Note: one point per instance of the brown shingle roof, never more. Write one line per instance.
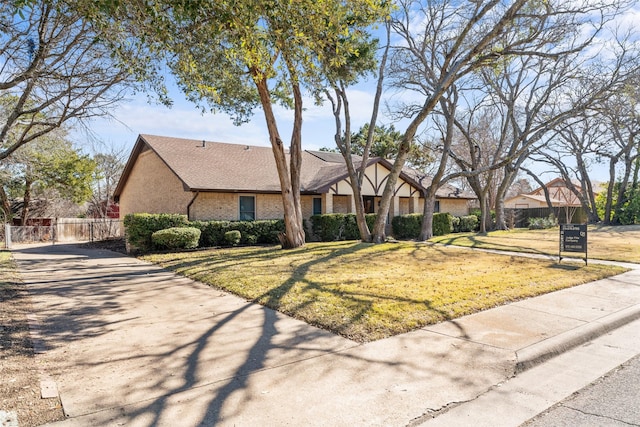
(217, 166)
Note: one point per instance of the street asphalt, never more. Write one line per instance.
(135, 345)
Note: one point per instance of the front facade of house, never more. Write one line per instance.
(559, 194)
(217, 181)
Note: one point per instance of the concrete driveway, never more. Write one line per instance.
(128, 343)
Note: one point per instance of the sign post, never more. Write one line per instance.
(573, 238)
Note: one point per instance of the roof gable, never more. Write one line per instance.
(224, 167)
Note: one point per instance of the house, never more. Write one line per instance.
(560, 196)
(220, 181)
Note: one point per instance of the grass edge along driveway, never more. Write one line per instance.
(367, 292)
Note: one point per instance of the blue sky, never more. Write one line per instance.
(185, 120)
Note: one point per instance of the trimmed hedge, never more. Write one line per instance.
(140, 226)
(139, 229)
(463, 224)
(409, 226)
(252, 232)
(442, 224)
(176, 238)
(332, 227)
(232, 237)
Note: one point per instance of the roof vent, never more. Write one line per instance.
(204, 143)
(247, 148)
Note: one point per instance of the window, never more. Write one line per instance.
(369, 203)
(317, 206)
(247, 208)
(436, 207)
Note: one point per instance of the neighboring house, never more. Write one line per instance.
(560, 196)
(219, 181)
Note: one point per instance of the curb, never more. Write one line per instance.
(542, 351)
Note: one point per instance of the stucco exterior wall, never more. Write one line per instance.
(153, 188)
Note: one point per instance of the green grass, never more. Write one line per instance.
(620, 243)
(367, 292)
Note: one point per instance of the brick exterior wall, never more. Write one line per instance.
(218, 206)
(269, 206)
(226, 206)
(455, 207)
(153, 188)
(341, 204)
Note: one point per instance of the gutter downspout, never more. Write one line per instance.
(195, 196)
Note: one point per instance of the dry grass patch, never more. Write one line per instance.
(367, 292)
(619, 243)
(20, 382)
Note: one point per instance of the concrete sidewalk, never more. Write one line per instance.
(128, 343)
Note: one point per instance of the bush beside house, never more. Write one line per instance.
(409, 226)
(176, 238)
(141, 228)
(333, 227)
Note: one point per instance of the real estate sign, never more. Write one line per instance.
(573, 238)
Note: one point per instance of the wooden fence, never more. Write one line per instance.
(519, 218)
(64, 230)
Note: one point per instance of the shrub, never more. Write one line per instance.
(542, 223)
(350, 228)
(252, 232)
(465, 223)
(332, 227)
(327, 227)
(232, 237)
(407, 226)
(442, 224)
(371, 220)
(478, 214)
(140, 226)
(176, 238)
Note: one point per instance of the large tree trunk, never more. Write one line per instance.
(612, 182)
(379, 234)
(426, 231)
(26, 202)
(622, 190)
(290, 185)
(344, 145)
(6, 206)
(507, 180)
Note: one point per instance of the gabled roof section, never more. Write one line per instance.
(216, 166)
(446, 191)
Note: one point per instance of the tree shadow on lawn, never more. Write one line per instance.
(94, 303)
(478, 244)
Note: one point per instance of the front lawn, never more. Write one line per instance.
(367, 292)
(619, 243)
